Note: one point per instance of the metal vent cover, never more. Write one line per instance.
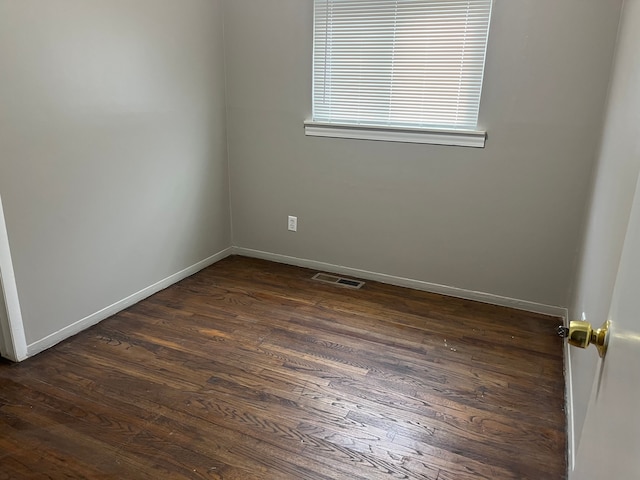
(339, 281)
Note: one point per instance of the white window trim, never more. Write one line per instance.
(460, 138)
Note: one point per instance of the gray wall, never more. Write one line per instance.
(113, 168)
(505, 220)
(613, 191)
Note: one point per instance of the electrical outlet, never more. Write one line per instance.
(293, 224)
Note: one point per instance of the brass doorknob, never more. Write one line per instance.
(581, 334)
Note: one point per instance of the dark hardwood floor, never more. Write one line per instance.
(250, 370)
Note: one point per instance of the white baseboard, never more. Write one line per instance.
(120, 305)
(407, 282)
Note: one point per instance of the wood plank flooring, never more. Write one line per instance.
(250, 370)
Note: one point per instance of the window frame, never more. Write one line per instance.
(475, 137)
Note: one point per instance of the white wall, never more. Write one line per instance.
(113, 168)
(505, 220)
(614, 186)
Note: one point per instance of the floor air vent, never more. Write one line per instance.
(339, 281)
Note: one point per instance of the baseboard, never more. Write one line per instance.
(120, 305)
(406, 282)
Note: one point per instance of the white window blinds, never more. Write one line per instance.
(399, 63)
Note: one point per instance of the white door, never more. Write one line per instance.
(4, 321)
(13, 344)
(610, 444)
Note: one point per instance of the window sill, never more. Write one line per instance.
(461, 138)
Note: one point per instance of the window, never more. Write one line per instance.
(399, 70)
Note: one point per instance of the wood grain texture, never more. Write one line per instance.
(251, 370)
